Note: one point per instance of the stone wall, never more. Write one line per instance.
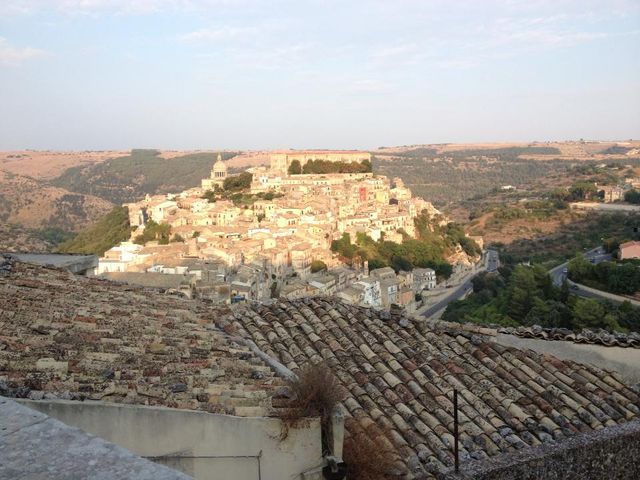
(203, 445)
(610, 453)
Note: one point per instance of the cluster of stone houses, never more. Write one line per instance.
(173, 270)
(267, 246)
(379, 288)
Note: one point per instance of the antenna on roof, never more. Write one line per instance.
(455, 430)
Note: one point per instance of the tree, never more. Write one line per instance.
(399, 263)
(177, 238)
(376, 263)
(294, 168)
(318, 266)
(343, 246)
(195, 234)
(154, 231)
(238, 182)
(632, 196)
(521, 293)
(582, 190)
(588, 313)
(580, 269)
(209, 195)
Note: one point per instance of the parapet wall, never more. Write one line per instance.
(200, 444)
(610, 453)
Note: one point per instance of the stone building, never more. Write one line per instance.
(280, 161)
(218, 175)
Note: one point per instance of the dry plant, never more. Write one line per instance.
(314, 393)
(366, 459)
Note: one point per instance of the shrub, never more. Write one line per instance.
(318, 266)
(314, 393)
(295, 168)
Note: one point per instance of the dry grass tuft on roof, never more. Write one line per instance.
(316, 392)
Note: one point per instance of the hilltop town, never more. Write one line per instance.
(272, 232)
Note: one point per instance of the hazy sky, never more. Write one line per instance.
(100, 74)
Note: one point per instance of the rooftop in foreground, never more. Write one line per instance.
(82, 338)
(65, 452)
(73, 337)
(400, 375)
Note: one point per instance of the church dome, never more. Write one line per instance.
(219, 166)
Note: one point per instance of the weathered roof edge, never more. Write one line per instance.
(600, 447)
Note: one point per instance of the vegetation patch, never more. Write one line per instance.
(327, 166)
(127, 179)
(100, 237)
(525, 295)
(160, 232)
(369, 455)
(623, 278)
(429, 250)
(582, 232)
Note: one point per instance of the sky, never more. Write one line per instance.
(254, 74)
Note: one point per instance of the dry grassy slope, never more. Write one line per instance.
(521, 228)
(34, 204)
(47, 165)
(569, 150)
(14, 238)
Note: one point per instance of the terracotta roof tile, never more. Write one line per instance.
(94, 339)
(400, 374)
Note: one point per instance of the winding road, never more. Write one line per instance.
(491, 264)
(558, 275)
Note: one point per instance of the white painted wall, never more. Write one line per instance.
(203, 445)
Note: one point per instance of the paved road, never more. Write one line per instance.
(456, 293)
(492, 260)
(491, 264)
(596, 255)
(558, 275)
(605, 207)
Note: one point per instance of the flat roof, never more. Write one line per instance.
(36, 446)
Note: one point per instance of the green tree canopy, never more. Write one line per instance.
(294, 168)
(318, 266)
(238, 182)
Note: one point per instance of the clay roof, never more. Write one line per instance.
(400, 374)
(600, 337)
(79, 338)
(631, 243)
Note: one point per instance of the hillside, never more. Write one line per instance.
(37, 205)
(130, 178)
(46, 165)
(453, 173)
(107, 232)
(14, 238)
